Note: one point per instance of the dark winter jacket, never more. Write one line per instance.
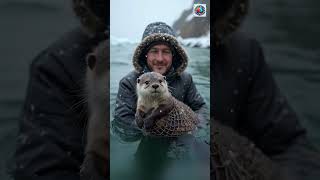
(245, 97)
(179, 82)
(52, 127)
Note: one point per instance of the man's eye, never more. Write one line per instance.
(167, 52)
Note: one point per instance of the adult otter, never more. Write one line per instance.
(97, 88)
(158, 113)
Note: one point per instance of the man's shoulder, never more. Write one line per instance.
(241, 38)
(64, 58)
(241, 44)
(240, 49)
(131, 77)
(185, 76)
(71, 46)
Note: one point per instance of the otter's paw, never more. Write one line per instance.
(92, 168)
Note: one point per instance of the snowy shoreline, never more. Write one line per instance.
(198, 42)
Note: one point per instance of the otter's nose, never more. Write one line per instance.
(155, 86)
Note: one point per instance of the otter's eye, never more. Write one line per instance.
(164, 78)
(138, 80)
(147, 82)
(160, 81)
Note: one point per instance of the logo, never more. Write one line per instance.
(199, 10)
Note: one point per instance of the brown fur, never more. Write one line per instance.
(160, 114)
(147, 102)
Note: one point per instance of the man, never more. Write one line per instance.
(160, 52)
(52, 127)
(246, 97)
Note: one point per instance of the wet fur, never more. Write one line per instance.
(146, 99)
(152, 106)
(149, 104)
(97, 87)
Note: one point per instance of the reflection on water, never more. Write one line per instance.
(160, 158)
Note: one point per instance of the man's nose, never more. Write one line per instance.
(159, 56)
(155, 86)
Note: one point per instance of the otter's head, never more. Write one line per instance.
(152, 85)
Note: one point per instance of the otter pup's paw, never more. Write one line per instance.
(156, 114)
(93, 168)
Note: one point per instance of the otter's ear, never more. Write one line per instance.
(164, 77)
(138, 80)
(91, 61)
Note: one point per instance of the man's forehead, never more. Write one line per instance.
(160, 46)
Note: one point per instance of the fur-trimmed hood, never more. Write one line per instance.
(228, 16)
(156, 33)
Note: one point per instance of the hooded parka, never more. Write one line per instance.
(246, 97)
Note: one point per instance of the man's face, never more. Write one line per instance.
(159, 58)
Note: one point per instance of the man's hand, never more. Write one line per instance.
(147, 119)
(156, 114)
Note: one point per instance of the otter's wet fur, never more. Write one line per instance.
(158, 112)
(97, 87)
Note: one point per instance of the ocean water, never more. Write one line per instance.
(123, 155)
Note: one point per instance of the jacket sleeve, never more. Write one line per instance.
(273, 124)
(124, 114)
(49, 144)
(195, 101)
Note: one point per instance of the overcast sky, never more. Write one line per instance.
(130, 17)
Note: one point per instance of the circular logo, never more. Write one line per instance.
(199, 10)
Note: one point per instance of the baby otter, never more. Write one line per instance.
(97, 88)
(158, 112)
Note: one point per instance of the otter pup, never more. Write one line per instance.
(158, 112)
(97, 88)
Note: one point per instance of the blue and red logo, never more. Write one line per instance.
(199, 10)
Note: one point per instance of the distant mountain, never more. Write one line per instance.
(189, 27)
